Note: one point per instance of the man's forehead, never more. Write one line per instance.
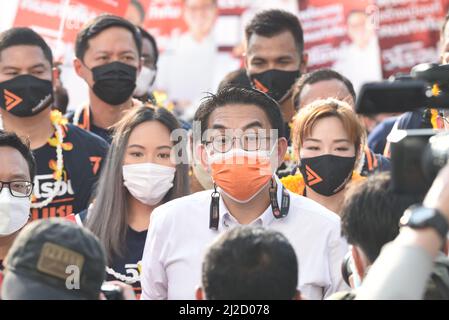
(12, 162)
(280, 44)
(238, 116)
(114, 37)
(20, 55)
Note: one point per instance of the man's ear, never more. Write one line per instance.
(139, 68)
(304, 62)
(358, 261)
(199, 295)
(201, 154)
(77, 64)
(281, 149)
(55, 76)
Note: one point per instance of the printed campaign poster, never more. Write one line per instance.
(370, 40)
(59, 21)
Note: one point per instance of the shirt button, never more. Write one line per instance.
(225, 223)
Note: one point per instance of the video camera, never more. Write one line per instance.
(417, 155)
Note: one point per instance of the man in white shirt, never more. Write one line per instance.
(242, 159)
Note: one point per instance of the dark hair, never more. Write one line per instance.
(25, 36)
(235, 95)
(146, 35)
(318, 76)
(250, 263)
(10, 139)
(237, 78)
(269, 23)
(98, 25)
(112, 211)
(139, 8)
(371, 213)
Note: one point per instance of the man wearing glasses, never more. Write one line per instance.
(242, 142)
(17, 170)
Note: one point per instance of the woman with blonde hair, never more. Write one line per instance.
(328, 142)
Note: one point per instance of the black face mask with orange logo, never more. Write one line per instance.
(275, 83)
(327, 174)
(25, 95)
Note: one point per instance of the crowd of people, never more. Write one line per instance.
(274, 189)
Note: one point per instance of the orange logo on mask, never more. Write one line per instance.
(11, 100)
(312, 177)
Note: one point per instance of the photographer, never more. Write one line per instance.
(403, 267)
(371, 214)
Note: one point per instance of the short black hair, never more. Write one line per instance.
(269, 23)
(98, 25)
(146, 35)
(10, 139)
(371, 213)
(250, 263)
(25, 36)
(318, 76)
(236, 78)
(236, 95)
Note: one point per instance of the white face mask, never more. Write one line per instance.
(148, 182)
(14, 212)
(144, 81)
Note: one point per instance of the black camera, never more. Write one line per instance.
(427, 86)
(112, 292)
(417, 155)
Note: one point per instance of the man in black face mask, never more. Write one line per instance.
(275, 55)
(68, 158)
(108, 57)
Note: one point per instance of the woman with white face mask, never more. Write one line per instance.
(139, 175)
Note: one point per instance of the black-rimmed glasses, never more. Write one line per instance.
(19, 188)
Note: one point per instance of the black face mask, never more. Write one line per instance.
(25, 95)
(114, 83)
(327, 174)
(275, 83)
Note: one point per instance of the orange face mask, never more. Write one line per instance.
(240, 174)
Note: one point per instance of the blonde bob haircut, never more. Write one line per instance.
(308, 116)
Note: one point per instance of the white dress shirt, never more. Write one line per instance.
(179, 236)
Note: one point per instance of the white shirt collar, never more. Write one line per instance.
(227, 220)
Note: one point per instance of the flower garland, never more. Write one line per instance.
(58, 121)
(127, 279)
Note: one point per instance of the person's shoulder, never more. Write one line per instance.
(85, 137)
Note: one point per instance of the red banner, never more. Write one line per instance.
(408, 33)
(59, 21)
